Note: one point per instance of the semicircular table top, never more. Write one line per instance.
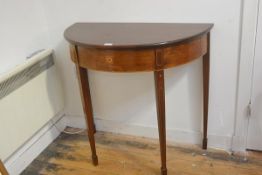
(132, 35)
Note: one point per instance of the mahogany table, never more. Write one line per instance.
(137, 47)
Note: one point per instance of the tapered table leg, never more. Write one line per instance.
(3, 170)
(160, 105)
(87, 107)
(206, 62)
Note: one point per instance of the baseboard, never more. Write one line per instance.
(239, 144)
(19, 160)
(173, 135)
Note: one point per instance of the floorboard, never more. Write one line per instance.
(128, 155)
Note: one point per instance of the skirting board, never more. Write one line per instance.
(173, 135)
(239, 144)
(19, 160)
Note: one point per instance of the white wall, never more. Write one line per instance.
(246, 64)
(23, 30)
(128, 99)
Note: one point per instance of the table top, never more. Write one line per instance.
(133, 35)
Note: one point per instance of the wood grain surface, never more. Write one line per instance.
(128, 155)
(133, 35)
(128, 60)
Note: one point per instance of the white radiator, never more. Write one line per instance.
(30, 96)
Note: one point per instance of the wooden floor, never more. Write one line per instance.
(127, 155)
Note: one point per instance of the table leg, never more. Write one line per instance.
(206, 62)
(87, 107)
(3, 170)
(160, 105)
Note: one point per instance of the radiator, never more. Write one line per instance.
(30, 96)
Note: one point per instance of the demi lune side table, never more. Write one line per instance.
(137, 47)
